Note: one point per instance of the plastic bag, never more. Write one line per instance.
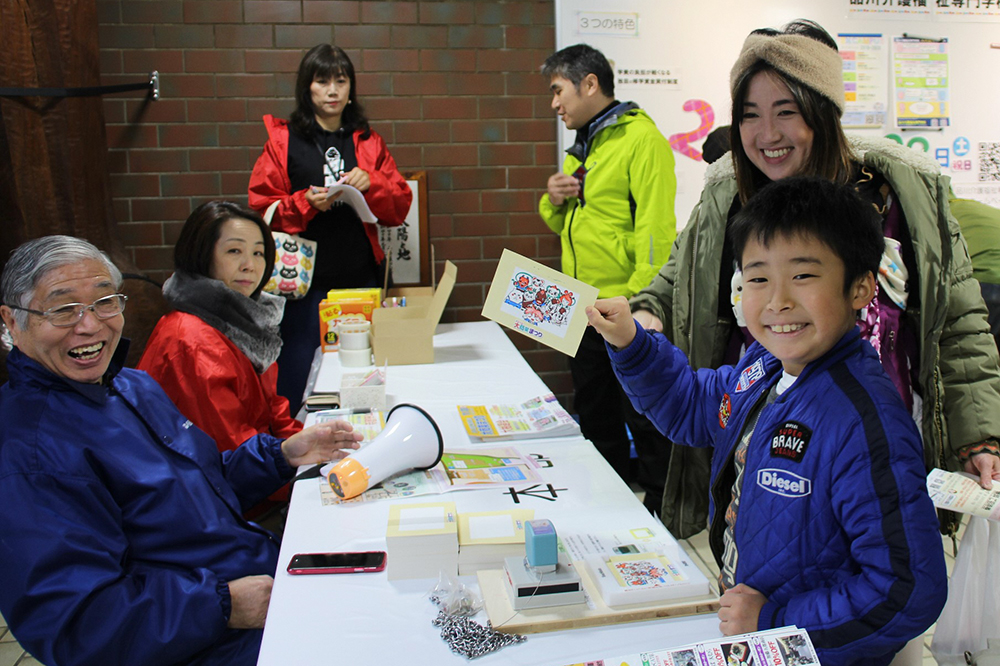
(972, 614)
(454, 598)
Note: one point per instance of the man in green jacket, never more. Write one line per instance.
(613, 207)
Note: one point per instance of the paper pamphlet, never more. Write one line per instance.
(638, 540)
(788, 646)
(369, 424)
(539, 302)
(353, 197)
(458, 470)
(493, 527)
(541, 416)
(407, 520)
(958, 491)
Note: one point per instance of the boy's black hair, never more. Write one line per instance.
(576, 62)
(834, 214)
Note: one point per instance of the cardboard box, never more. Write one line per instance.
(405, 336)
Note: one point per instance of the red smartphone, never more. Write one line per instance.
(337, 563)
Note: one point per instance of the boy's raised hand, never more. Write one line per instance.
(612, 318)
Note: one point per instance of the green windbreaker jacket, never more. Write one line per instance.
(619, 234)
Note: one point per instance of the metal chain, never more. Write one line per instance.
(471, 639)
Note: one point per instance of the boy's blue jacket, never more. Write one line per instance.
(121, 523)
(835, 526)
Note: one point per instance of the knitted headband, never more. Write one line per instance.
(802, 58)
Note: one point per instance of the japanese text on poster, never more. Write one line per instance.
(866, 85)
(920, 73)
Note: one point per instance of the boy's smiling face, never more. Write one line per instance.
(793, 298)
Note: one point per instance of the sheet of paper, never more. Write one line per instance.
(490, 527)
(458, 470)
(419, 519)
(961, 492)
(539, 302)
(353, 197)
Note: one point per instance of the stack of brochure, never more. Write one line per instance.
(541, 416)
(958, 491)
(486, 538)
(422, 540)
(787, 646)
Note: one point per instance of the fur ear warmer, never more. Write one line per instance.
(802, 58)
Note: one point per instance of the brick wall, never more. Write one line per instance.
(453, 87)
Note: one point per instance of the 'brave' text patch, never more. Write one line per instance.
(790, 440)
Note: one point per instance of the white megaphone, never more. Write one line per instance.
(410, 440)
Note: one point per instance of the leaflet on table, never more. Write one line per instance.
(458, 470)
(787, 646)
(353, 197)
(958, 491)
(368, 423)
(541, 416)
(639, 540)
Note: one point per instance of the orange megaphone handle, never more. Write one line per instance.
(349, 478)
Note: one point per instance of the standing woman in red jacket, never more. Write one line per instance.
(326, 141)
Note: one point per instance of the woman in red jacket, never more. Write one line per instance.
(326, 141)
(214, 355)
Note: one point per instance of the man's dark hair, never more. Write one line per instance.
(716, 144)
(576, 62)
(810, 206)
(196, 244)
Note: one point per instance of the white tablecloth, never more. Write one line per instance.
(364, 618)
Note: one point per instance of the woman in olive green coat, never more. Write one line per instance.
(929, 323)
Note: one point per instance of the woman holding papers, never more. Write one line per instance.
(326, 142)
(214, 356)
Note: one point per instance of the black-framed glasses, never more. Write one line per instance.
(65, 316)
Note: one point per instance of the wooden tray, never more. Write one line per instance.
(557, 618)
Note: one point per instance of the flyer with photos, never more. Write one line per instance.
(539, 302)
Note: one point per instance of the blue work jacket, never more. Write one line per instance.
(835, 526)
(121, 523)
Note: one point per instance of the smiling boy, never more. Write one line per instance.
(819, 512)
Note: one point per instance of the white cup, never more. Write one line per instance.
(355, 358)
(354, 335)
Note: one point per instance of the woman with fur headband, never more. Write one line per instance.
(927, 321)
(215, 354)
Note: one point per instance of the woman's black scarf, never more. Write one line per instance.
(250, 324)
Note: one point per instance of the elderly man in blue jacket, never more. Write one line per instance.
(123, 540)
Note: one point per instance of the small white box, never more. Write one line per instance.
(355, 396)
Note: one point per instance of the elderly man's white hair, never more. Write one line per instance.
(30, 262)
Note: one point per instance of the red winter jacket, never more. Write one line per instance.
(388, 195)
(214, 384)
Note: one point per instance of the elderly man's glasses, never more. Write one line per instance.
(68, 315)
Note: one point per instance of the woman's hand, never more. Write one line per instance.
(985, 465)
(739, 610)
(321, 443)
(316, 196)
(612, 318)
(358, 178)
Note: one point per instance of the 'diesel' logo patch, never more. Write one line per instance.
(790, 440)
